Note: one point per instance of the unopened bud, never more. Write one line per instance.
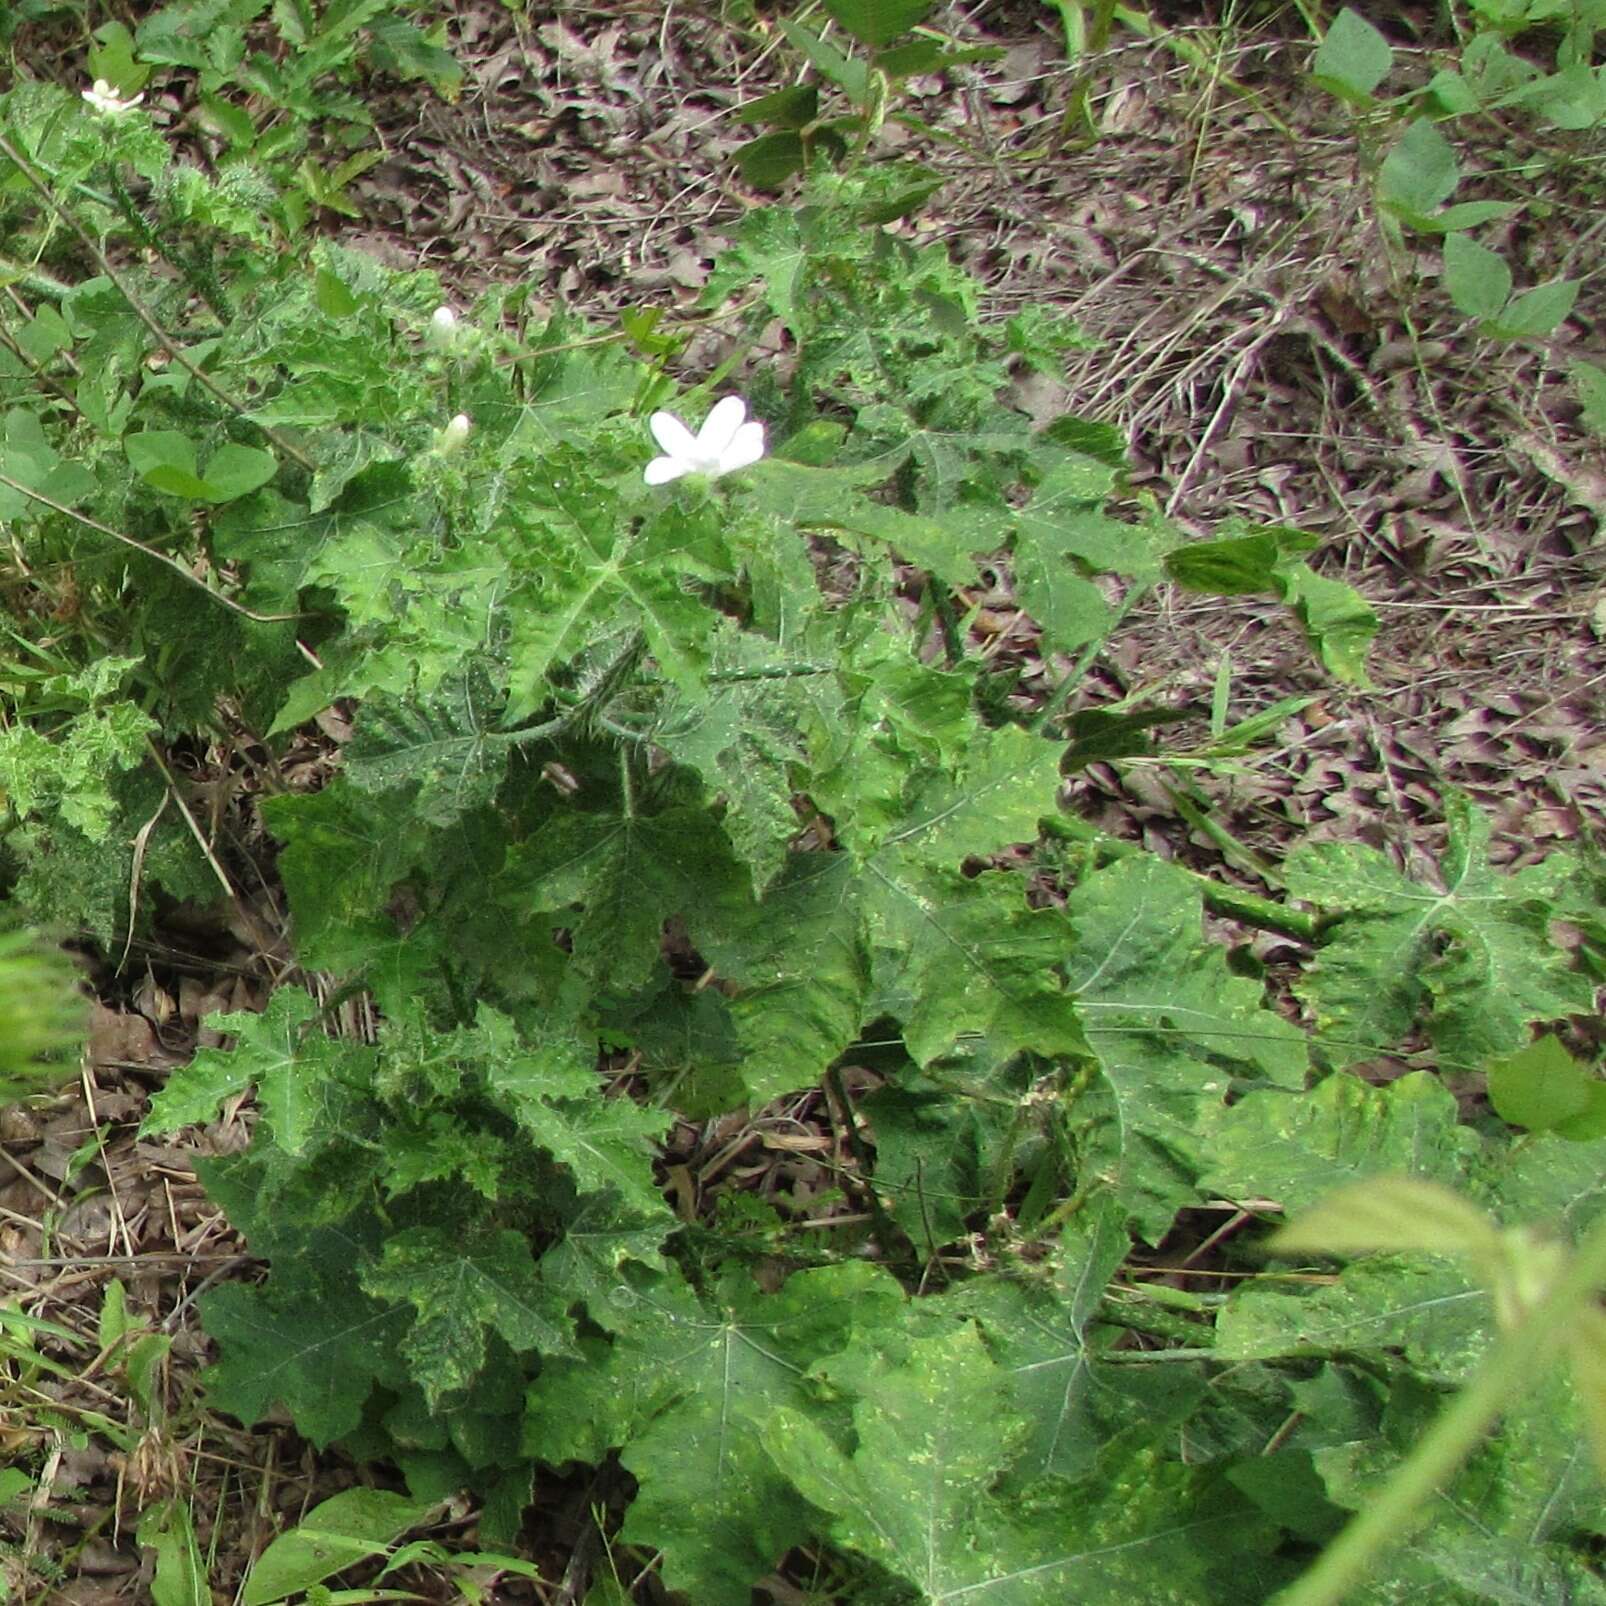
(455, 433)
(442, 328)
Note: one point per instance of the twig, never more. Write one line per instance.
(149, 552)
(207, 383)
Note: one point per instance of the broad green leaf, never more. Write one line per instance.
(1171, 1028)
(342, 860)
(802, 969)
(1473, 961)
(1353, 58)
(1543, 1087)
(590, 570)
(1477, 278)
(722, 1374)
(1296, 1148)
(1419, 174)
(877, 22)
(915, 1495)
(769, 160)
(462, 1292)
(234, 471)
(769, 249)
(335, 1534)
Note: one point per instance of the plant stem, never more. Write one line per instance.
(1231, 903)
(1517, 1362)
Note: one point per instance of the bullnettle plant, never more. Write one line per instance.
(677, 786)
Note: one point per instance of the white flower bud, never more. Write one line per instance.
(442, 328)
(455, 433)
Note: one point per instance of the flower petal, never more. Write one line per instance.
(673, 436)
(661, 470)
(720, 427)
(747, 446)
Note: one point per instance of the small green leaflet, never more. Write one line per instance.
(1543, 1088)
(1353, 59)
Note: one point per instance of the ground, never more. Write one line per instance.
(1272, 358)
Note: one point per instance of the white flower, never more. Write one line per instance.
(104, 99)
(727, 441)
(455, 433)
(442, 328)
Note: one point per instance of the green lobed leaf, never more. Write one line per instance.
(462, 1292)
(1472, 962)
(1296, 1148)
(915, 1494)
(1170, 1027)
(705, 1379)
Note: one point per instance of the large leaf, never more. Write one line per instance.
(616, 876)
(1172, 1029)
(1470, 959)
(436, 749)
(462, 1292)
(588, 569)
(1293, 1148)
(1038, 1329)
(730, 1369)
(915, 1494)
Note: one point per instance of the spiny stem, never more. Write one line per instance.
(204, 380)
(146, 551)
